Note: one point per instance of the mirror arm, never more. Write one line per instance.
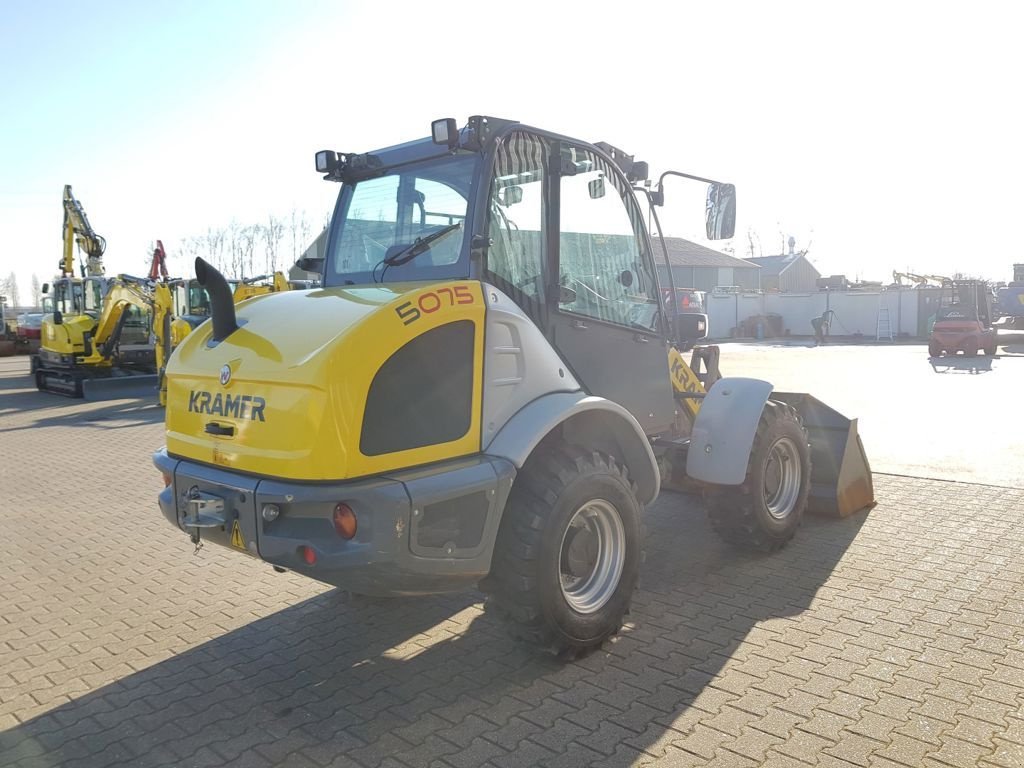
(668, 264)
(659, 195)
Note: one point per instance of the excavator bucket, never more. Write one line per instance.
(841, 482)
(127, 387)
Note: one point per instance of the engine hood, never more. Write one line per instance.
(285, 395)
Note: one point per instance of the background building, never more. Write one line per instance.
(788, 272)
(694, 266)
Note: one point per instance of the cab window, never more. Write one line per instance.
(516, 214)
(602, 256)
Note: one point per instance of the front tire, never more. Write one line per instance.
(764, 512)
(568, 552)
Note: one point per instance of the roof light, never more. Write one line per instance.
(445, 131)
(326, 161)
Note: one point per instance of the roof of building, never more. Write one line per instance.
(683, 253)
(774, 265)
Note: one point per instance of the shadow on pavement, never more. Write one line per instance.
(957, 364)
(363, 679)
(20, 396)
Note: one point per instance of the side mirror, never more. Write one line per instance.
(596, 188)
(310, 264)
(58, 318)
(690, 327)
(721, 211)
(566, 295)
(510, 196)
(46, 288)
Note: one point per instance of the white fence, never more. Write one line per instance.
(856, 312)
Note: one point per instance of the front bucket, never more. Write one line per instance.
(127, 387)
(841, 481)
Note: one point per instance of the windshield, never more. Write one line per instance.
(382, 218)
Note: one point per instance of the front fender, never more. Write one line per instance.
(527, 428)
(723, 432)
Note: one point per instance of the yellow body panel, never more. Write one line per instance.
(684, 380)
(67, 338)
(301, 365)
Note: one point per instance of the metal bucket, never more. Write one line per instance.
(841, 482)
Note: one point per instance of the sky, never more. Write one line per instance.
(882, 136)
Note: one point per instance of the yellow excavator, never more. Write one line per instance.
(82, 350)
(248, 287)
(96, 337)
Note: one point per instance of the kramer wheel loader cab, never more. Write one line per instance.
(486, 388)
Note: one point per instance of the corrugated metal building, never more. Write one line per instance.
(694, 266)
(787, 272)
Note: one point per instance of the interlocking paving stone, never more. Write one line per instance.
(892, 638)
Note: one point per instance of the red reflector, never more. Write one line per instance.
(344, 521)
(308, 554)
(686, 301)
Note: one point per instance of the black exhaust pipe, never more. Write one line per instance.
(222, 305)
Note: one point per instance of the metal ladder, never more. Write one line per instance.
(883, 328)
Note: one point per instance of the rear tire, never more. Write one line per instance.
(934, 350)
(568, 551)
(764, 512)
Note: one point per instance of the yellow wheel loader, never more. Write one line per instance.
(486, 390)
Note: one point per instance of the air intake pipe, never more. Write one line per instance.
(222, 305)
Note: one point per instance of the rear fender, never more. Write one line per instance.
(589, 421)
(723, 432)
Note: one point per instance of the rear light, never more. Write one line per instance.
(344, 521)
(308, 554)
(686, 301)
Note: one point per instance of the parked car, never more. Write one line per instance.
(30, 325)
(688, 300)
(28, 331)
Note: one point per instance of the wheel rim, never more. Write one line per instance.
(592, 556)
(782, 478)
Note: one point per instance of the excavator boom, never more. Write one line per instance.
(77, 229)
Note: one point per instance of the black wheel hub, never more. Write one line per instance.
(579, 555)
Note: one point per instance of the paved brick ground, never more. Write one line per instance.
(891, 639)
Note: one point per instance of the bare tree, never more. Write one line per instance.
(299, 229)
(214, 245)
(273, 233)
(10, 290)
(37, 293)
(248, 236)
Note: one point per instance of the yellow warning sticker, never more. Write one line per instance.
(236, 536)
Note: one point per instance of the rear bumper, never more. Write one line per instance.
(419, 532)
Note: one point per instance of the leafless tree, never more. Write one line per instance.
(273, 233)
(214, 244)
(247, 238)
(10, 290)
(37, 292)
(299, 230)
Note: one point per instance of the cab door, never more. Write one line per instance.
(604, 311)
